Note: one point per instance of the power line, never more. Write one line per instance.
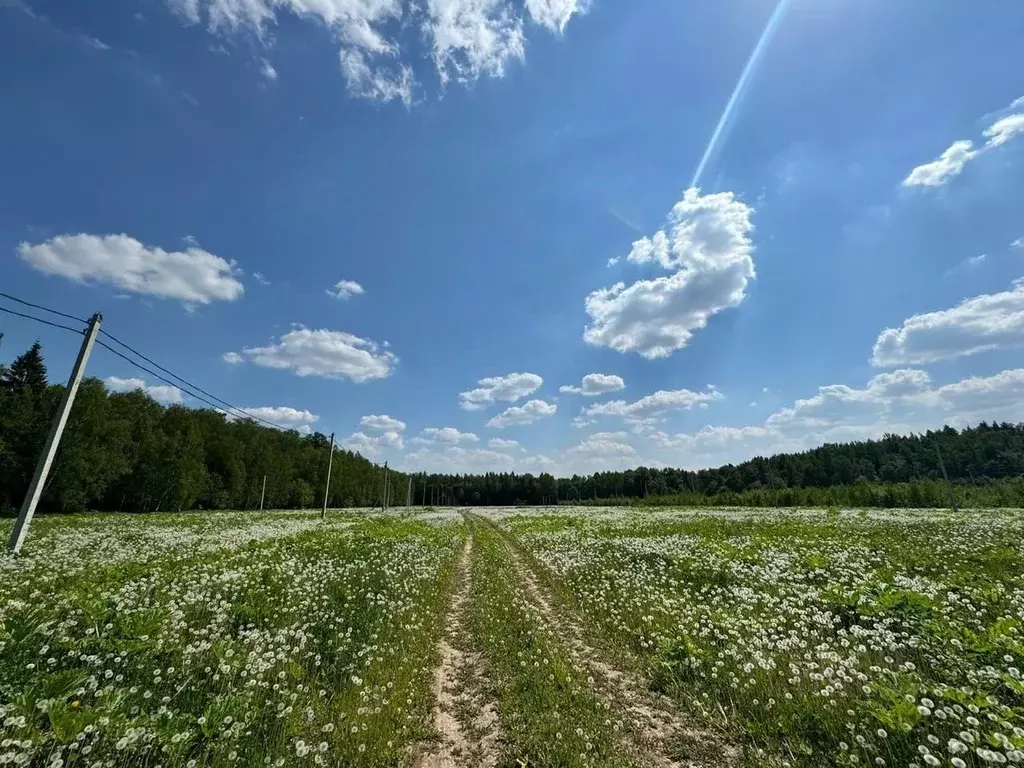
(156, 375)
(40, 320)
(45, 309)
(187, 383)
(187, 386)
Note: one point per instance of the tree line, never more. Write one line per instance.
(985, 465)
(127, 452)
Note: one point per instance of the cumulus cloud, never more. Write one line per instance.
(345, 289)
(654, 406)
(708, 248)
(977, 324)
(900, 401)
(450, 459)
(373, 445)
(1001, 131)
(949, 164)
(595, 384)
(161, 393)
(382, 424)
(501, 444)
(232, 358)
(444, 435)
(193, 276)
(517, 416)
(330, 354)
(283, 415)
(498, 389)
(465, 38)
(267, 70)
(953, 160)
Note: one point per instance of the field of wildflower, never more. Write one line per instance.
(516, 638)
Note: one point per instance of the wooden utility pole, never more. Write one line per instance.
(263, 493)
(408, 494)
(384, 494)
(327, 490)
(35, 488)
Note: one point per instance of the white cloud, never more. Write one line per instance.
(382, 423)
(555, 14)
(901, 401)
(977, 324)
(501, 444)
(1018, 243)
(655, 405)
(232, 358)
(517, 416)
(497, 389)
(346, 289)
(444, 435)
(259, 278)
(938, 172)
(193, 276)
(283, 415)
(368, 445)
(450, 459)
(951, 162)
(1002, 131)
(331, 354)
(603, 444)
(708, 245)
(595, 384)
(465, 38)
(160, 393)
(473, 37)
(267, 70)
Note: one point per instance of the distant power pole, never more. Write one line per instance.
(384, 495)
(327, 490)
(35, 489)
(408, 494)
(949, 487)
(263, 493)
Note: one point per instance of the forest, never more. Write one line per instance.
(126, 452)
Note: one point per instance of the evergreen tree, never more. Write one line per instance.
(27, 372)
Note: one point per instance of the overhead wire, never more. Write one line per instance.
(40, 320)
(183, 384)
(40, 306)
(187, 383)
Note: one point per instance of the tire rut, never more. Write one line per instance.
(661, 732)
(465, 718)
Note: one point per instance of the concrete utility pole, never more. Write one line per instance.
(384, 495)
(949, 487)
(35, 489)
(263, 493)
(327, 490)
(408, 494)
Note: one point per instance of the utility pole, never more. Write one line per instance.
(263, 493)
(327, 490)
(424, 493)
(408, 494)
(35, 489)
(384, 494)
(949, 487)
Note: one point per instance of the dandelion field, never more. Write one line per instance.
(516, 637)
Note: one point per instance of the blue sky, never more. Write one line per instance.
(501, 189)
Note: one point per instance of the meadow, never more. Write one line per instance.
(516, 637)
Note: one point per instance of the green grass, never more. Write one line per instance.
(313, 646)
(549, 712)
(821, 639)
